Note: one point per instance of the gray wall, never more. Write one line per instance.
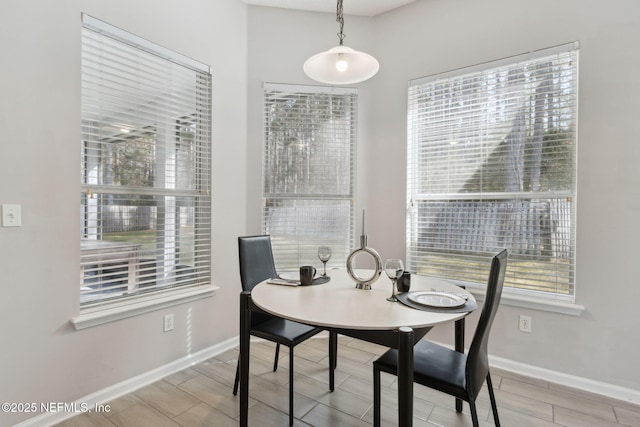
(431, 36)
(43, 359)
(439, 35)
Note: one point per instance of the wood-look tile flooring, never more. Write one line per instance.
(201, 396)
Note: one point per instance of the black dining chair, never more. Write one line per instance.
(257, 265)
(452, 372)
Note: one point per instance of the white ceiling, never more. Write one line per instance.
(350, 7)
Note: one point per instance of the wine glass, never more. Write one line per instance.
(394, 269)
(324, 253)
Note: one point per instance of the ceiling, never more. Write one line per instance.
(350, 7)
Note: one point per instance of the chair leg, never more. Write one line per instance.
(474, 413)
(290, 386)
(237, 380)
(459, 347)
(376, 397)
(332, 357)
(333, 343)
(494, 406)
(275, 361)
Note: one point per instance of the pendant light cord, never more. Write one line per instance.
(340, 19)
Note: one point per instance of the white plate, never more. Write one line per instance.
(436, 299)
(290, 275)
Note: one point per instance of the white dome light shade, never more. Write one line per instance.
(341, 65)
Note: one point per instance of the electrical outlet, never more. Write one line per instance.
(168, 322)
(525, 323)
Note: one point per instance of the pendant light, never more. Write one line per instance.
(341, 65)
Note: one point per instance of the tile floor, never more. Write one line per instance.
(201, 396)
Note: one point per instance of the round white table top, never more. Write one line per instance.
(339, 304)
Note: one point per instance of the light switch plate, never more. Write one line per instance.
(11, 216)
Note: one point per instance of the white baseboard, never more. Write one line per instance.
(130, 385)
(604, 389)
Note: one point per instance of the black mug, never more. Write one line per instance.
(307, 274)
(403, 284)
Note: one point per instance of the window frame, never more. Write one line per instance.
(416, 137)
(305, 204)
(181, 182)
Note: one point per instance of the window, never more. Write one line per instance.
(145, 161)
(492, 165)
(308, 174)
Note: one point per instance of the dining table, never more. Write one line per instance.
(335, 304)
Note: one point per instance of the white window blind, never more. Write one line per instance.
(145, 161)
(492, 165)
(308, 172)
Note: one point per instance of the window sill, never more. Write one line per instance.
(535, 303)
(117, 311)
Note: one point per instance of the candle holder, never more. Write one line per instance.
(363, 282)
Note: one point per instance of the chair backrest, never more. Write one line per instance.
(256, 260)
(478, 359)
